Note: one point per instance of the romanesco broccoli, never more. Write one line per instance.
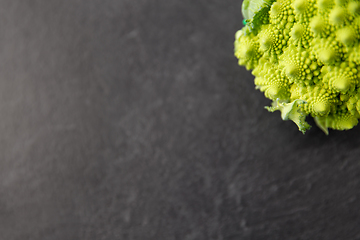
(305, 56)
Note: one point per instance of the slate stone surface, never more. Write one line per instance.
(130, 120)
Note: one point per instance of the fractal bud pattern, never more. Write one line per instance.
(305, 56)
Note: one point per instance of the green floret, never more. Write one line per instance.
(305, 56)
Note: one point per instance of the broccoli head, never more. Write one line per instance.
(305, 56)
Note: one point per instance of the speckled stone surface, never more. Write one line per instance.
(130, 120)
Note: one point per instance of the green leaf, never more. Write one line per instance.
(251, 7)
(291, 111)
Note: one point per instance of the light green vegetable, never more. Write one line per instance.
(305, 56)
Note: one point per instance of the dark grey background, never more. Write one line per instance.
(130, 120)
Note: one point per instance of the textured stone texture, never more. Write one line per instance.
(130, 120)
